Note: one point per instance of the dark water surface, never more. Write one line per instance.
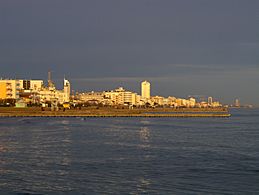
(130, 155)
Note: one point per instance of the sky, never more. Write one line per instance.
(183, 47)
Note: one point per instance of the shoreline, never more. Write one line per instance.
(113, 112)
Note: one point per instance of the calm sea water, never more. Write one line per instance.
(130, 155)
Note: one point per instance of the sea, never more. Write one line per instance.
(130, 155)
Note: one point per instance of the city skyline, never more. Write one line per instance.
(46, 89)
(24, 92)
(137, 89)
(182, 47)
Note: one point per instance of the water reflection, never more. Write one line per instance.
(143, 185)
(42, 148)
(145, 122)
(2, 162)
(143, 180)
(144, 134)
(2, 148)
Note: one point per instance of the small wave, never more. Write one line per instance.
(25, 120)
(27, 193)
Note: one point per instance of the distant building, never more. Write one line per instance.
(145, 90)
(67, 90)
(50, 93)
(33, 91)
(121, 97)
(210, 101)
(9, 89)
(91, 97)
(31, 85)
(192, 102)
(158, 100)
(216, 104)
(237, 103)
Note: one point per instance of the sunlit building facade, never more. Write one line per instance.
(9, 89)
(145, 90)
(121, 97)
(31, 85)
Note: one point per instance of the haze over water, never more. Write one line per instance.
(130, 155)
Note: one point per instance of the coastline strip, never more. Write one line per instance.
(182, 115)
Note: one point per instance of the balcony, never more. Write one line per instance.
(8, 86)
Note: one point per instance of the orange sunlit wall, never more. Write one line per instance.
(2, 90)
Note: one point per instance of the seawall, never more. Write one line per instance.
(106, 112)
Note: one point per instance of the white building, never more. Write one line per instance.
(210, 101)
(31, 85)
(121, 97)
(91, 96)
(158, 100)
(145, 90)
(67, 90)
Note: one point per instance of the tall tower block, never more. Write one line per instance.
(67, 90)
(145, 90)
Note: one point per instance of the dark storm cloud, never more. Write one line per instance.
(182, 41)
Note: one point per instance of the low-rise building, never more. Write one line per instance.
(121, 97)
(157, 100)
(50, 93)
(91, 96)
(31, 85)
(9, 89)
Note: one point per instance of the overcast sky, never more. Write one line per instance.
(183, 47)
